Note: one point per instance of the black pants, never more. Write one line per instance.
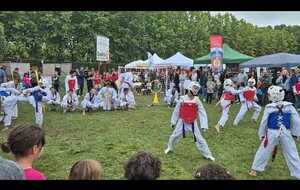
(177, 87)
(265, 99)
(209, 98)
(89, 85)
(56, 87)
(289, 97)
(80, 90)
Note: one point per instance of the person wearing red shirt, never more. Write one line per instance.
(114, 75)
(296, 90)
(97, 79)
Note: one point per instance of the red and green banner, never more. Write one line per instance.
(216, 52)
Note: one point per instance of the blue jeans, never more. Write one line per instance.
(203, 92)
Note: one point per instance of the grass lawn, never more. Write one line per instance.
(112, 137)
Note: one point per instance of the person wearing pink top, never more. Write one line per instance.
(26, 142)
(26, 80)
(33, 174)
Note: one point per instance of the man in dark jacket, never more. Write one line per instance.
(176, 79)
(80, 80)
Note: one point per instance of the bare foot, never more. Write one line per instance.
(217, 127)
(253, 173)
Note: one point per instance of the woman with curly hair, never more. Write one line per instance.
(142, 166)
(212, 172)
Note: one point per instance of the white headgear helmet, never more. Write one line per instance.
(172, 85)
(275, 93)
(194, 87)
(228, 82)
(42, 82)
(251, 82)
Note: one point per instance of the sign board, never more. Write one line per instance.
(102, 51)
(216, 52)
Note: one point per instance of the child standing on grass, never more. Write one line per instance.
(35, 97)
(26, 142)
(86, 170)
(227, 99)
(185, 115)
(280, 125)
(211, 85)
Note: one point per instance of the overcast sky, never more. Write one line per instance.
(265, 18)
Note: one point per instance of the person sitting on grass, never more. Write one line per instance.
(26, 142)
(126, 99)
(108, 97)
(172, 96)
(70, 102)
(86, 170)
(212, 172)
(91, 101)
(53, 98)
(142, 166)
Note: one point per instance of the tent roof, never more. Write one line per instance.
(155, 61)
(230, 56)
(274, 60)
(138, 64)
(179, 60)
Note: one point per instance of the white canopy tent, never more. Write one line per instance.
(139, 64)
(156, 61)
(179, 60)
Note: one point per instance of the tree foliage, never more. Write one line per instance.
(71, 36)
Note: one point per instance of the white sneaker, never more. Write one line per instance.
(167, 150)
(211, 158)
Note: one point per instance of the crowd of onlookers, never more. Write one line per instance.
(88, 77)
(211, 84)
(26, 143)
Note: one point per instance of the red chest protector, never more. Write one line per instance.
(71, 84)
(297, 86)
(188, 112)
(229, 96)
(249, 95)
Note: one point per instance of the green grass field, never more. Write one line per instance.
(112, 137)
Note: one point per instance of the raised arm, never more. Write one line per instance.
(12, 90)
